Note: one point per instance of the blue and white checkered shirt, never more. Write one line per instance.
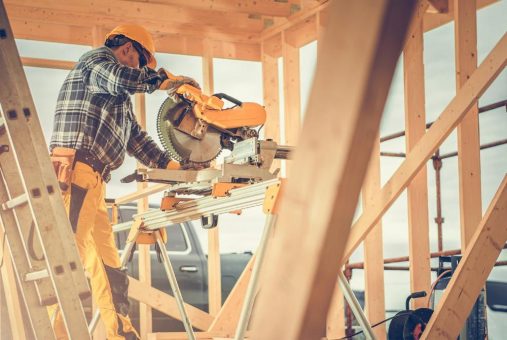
(94, 111)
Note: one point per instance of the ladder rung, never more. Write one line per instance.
(37, 275)
(16, 201)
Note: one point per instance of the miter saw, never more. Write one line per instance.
(194, 128)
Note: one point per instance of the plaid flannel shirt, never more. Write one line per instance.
(94, 111)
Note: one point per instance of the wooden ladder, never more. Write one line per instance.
(38, 234)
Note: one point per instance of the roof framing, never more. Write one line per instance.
(234, 28)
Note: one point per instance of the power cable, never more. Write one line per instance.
(375, 325)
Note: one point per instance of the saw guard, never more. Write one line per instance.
(209, 109)
(248, 114)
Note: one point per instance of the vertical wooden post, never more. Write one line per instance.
(472, 272)
(292, 94)
(468, 130)
(317, 210)
(214, 269)
(336, 316)
(145, 311)
(415, 125)
(270, 87)
(98, 38)
(10, 288)
(373, 250)
(335, 324)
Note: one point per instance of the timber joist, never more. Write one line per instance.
(234, 28)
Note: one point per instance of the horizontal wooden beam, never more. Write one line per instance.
(473, 270)
(424, 149)
(293, 20)
(165, 43)
(302, 32)
(167, 13)
(34, 15)
(253, 7)
(167, 304)
(433, 20)
(300, 23)
(48, 63)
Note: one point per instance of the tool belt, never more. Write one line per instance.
(63, 162)
(64, 159)
(87, 158)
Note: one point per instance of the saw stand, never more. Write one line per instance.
(138, 230)
(224, 198)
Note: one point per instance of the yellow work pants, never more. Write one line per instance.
(86, 208)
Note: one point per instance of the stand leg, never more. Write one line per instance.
(355, 306)
(246, 310)
(174, 286)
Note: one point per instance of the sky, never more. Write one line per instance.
(243, 80)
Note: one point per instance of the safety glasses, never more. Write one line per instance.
(143, 54)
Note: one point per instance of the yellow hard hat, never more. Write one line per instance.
(140, 35)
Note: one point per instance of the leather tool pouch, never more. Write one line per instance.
(63, 162)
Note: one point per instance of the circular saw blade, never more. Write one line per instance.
(181, 146)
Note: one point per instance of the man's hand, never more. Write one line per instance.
(172, 82)
(173, 165)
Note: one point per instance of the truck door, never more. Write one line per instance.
(187, 266)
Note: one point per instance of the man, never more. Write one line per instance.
(94, 126)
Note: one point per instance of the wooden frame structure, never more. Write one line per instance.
(264, 31)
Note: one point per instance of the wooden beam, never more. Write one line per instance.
(271, 95)
(167, 304)
(144, 256)
(214, 269)
(473, 270)
(227, 319)
(36, 15)
(374, 250)
(438, 6)
(257, 7)
(67, 34)
(165, 43)
(424, 149)
(336, 315)
(293, 20)
(435, 20)
(302, 32)
(317, 211)
(417, 191)
(291, 95)
(469, 157)
(48, 63)
(335, 326)
(136, 11)
(272, 46)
